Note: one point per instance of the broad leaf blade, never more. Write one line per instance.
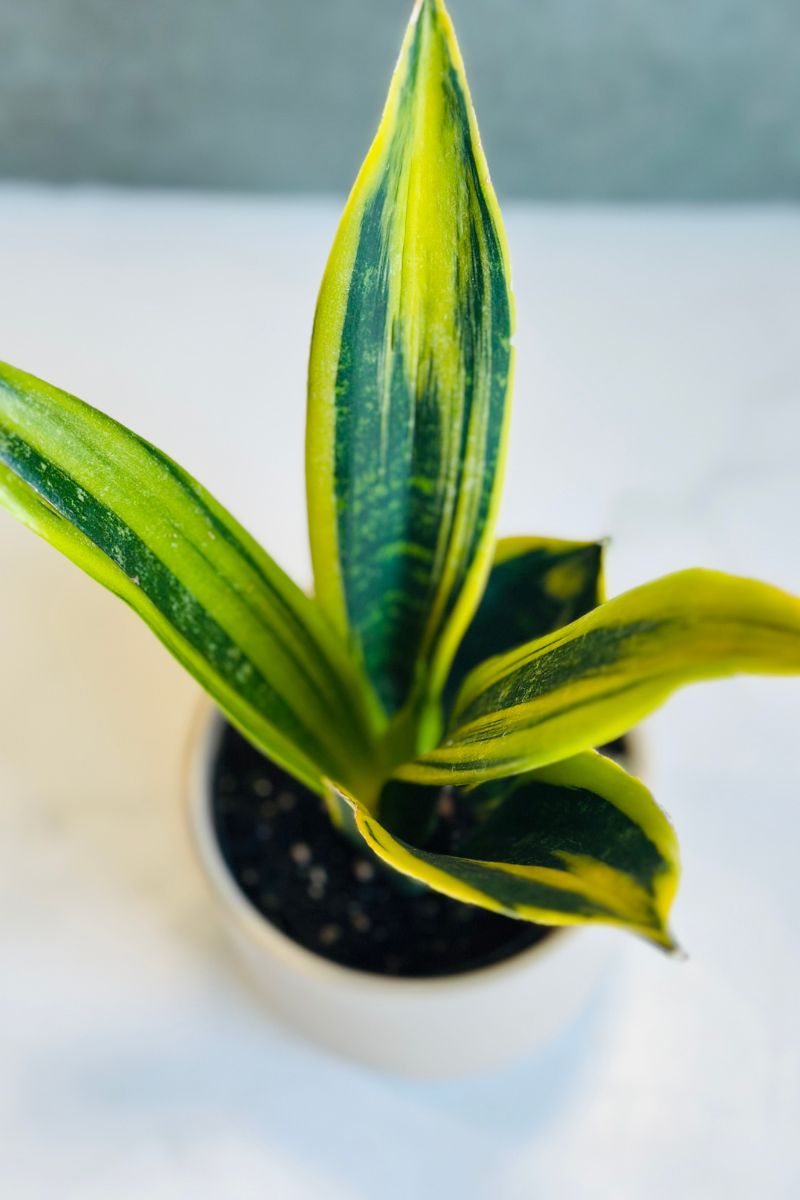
(136, 522)
(535, 586)
(593, 680)
(409, 376)
(575, 843)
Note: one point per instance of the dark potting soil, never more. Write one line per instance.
(316, 887)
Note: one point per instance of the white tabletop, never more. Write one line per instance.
(658, 400)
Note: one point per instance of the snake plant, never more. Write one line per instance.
(432, 654)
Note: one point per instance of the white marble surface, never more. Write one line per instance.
(658, 399)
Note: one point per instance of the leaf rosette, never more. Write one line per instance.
(432, 654)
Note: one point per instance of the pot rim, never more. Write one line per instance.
(204, 737)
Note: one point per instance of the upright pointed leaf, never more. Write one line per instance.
(535, 586)
(574, 843)
(593, 680)
(409, 377)
(136, 522)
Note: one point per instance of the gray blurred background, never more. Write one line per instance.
(578, 99)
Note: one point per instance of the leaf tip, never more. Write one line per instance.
(666, 941)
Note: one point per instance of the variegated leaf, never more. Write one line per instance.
(409, 377)
(591, 681)
(535, 586)
(573, 843)
(136, 522)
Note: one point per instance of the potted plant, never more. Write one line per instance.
(403, 808)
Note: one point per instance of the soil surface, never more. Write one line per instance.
(313, 885)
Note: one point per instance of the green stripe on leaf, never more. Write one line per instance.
(409, 377)
(578, 842)
(591, 681)
(139, 524)
(535, 586)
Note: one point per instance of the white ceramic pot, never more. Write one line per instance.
(436, 1028)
